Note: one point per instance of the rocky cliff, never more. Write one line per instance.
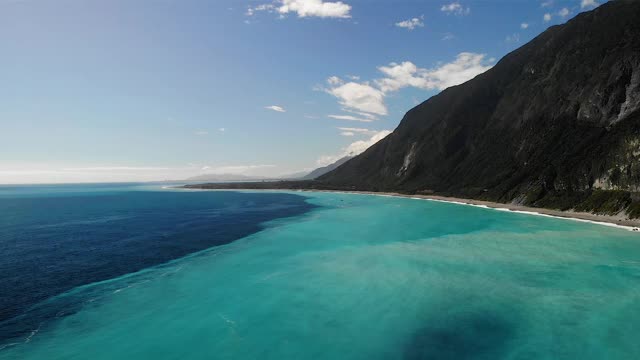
(555, 123)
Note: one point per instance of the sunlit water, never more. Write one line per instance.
(367, 277)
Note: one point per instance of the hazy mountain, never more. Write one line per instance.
(224, 177)
(553, 121)
(302, 175)
(325, 169)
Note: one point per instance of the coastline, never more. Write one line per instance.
(617, 221)
(606, 220)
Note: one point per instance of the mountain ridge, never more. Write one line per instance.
(548, 124)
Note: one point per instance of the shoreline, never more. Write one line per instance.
(617, 221)
(606, 220)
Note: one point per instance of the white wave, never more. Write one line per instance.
(628, 228)
(604, 223)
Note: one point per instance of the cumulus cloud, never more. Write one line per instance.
(546, 3)
(360, 97)
(411, 23)
(353, 149)
(406, 74)
(524, 25)
(305, 8)
(564, 12)
(455, 8)
(275, 108)
(546, 17)
(366, 99)
(588, 3)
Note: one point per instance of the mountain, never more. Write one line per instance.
(224, 177)
(295, 176)
(554, 124)
(325, 169)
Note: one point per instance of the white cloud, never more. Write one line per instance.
(466, 66)
(546, 3)
(202, 132)
(448, 36)
(588, 3)
(347, 133)
(411, 23)
(367, 99)
(563, 12)
(275, 108)
(17, 173)
(524, 26)
(362, 114)
(305, 8)
(116, 168)
(513, 38)
(546, 17)
(334, 80)
(349, 118)
(353, 149)
(222, 129)
(456, 9)
(45, 173)
(361, 131)
(360, 97)
(264, 7)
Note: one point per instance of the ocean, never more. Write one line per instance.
(138, 271)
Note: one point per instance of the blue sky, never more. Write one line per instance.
(97, 90)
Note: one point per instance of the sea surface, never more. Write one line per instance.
(141, 271)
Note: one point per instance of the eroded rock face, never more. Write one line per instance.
(560, 115)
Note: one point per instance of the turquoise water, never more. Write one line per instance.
(367, 277)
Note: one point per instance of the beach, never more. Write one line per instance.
(620, 220)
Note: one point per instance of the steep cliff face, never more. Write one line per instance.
(551, 122)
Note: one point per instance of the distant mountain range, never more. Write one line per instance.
(224, 177)
(555, 123)
(295, 176)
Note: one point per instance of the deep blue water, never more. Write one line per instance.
(58, 237)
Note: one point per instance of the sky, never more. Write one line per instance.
(121, 90)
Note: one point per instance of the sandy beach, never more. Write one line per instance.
(607, 220)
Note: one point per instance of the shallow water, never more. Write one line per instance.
(366, 277)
